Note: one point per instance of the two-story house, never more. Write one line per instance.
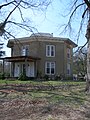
(41, 54)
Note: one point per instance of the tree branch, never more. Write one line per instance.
(2, 25)
(87, 3)
(68, 25)
(19, 5)
(84, 12)
(6, 4)
(76, 9)
(11, 13)
(23, 26)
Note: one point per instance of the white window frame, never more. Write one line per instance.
(49, 50)
(50, 68)
(68, 68)
(25, 50)
(68, 52)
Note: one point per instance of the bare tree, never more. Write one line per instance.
(83, 8)
(80, 63)
(12, 15)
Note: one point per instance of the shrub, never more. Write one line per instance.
(46, 77)
(69, 78)
(58, 77)
(22, 77)
(39, 74)
(7, 75)
(2, 76)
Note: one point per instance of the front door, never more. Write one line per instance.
(17, 70)
(30, 71)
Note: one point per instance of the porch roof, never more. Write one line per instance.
(20, 59)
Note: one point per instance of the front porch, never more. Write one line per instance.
(22, 64)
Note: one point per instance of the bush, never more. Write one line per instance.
(2, 76)
(46, 77)
(69, 78)
(7, 75)
(58, 77)
(22, 77)
(39, 74)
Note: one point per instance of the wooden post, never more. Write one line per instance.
(3, 66)
(25, 65)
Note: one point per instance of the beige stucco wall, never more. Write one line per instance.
(68, 60)
(37, 48)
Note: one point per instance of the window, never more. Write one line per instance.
(50, 50)
(68, 69)
(89, 60)
(50, 68)
(68, 52)
(25, 50)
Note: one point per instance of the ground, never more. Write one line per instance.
(44, 101)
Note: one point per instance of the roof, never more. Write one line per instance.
(40, 37)
(43, 34)
(71, 42)
(20, 58)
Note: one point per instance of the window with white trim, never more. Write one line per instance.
(68, 52)
(50, 50)
(50, 68)
(68, 69)
(25, 50)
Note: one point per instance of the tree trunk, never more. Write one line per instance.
(88, 69)
(88, 58)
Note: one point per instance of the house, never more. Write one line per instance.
(41, 54)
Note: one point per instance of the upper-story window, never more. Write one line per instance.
(50, 50)
(25, 50)
(68, 52)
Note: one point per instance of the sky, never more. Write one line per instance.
(51, 21)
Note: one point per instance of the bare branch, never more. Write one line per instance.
(74, 5)
(2, 25)
(6, 4)
(87, 3)
(21, 14)
(11, 13)
(75, 10)
(16, 39)
(23, 26)
(80, 28)
(68, 25)
(80, 49)
(84, 12)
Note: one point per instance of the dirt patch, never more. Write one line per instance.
(38, 110)
(14, 105)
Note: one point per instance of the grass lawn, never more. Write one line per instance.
(53, 98)
(40, 82)
(63, 92)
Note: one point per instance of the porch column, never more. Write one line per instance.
(21, 68)
(12, 69)
(3, 66)
(25, 66)
(35, 68)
